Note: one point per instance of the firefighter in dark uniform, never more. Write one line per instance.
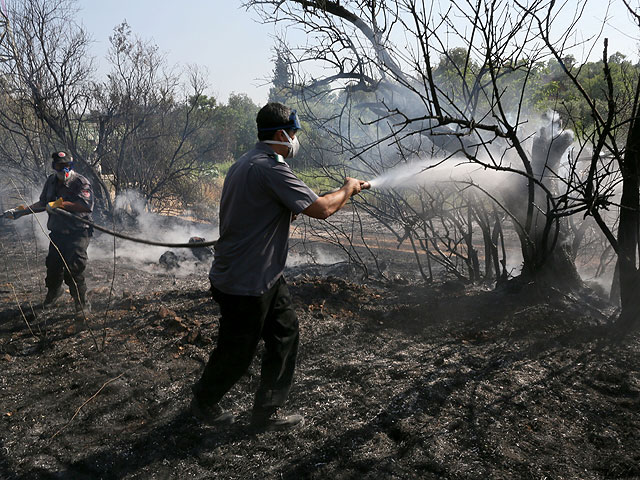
(67, 258)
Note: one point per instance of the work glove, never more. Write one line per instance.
(16, 213)
(57, 203)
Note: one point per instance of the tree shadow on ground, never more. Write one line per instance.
(179, 438)
(429, 397)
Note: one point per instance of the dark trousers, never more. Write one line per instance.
(244, 321)
(73, 247)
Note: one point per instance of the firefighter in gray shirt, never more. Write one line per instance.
(259, 197)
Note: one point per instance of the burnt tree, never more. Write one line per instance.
(613, 141)
(47, 76)
(468, 107)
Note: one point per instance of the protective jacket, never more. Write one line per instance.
(76, 189)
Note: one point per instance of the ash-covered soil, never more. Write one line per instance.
(396, 381)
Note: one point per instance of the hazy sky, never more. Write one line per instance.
(218, 34)
(238, 50)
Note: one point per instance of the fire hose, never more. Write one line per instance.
(59, 211)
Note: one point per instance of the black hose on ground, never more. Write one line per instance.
(59, 211)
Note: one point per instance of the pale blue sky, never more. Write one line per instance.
(238, 50)
(218, 34)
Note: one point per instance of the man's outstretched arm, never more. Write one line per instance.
(330, 203)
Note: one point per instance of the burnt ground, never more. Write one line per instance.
(397, 380)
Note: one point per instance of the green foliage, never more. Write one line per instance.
(455, 73)
(217, 170)
(235, 124)
(545, 86)
(154, 139)
(282, 82)
(552, 90)
(203, 103)
(316, 179)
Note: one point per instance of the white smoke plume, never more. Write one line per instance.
(150, 226)
(316, 256)
(32, 228)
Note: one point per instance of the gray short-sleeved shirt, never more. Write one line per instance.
(259, 195)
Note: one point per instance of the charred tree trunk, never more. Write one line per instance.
(628, 230)
(546, 249)
(497, 237)
(557, 269)
(614, 295)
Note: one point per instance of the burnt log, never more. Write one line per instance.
(172, 259)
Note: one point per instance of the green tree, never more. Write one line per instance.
(282, 79)
(235, 125)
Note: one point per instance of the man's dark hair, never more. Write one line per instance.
(271, 116)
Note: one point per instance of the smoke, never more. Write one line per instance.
(26, 229)
(150, 226)
(315, 256)
(130, 205)
(546, 144)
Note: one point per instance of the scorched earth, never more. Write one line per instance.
(396, 380)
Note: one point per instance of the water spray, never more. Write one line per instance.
(433, 171)
(407, 175)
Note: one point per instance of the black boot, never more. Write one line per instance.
(82, 304)
(211, 414)
(271, 419)
(52, 297)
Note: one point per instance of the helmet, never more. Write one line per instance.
(61, 158)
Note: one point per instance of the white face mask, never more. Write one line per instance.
(293, 144)
(64, 174)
